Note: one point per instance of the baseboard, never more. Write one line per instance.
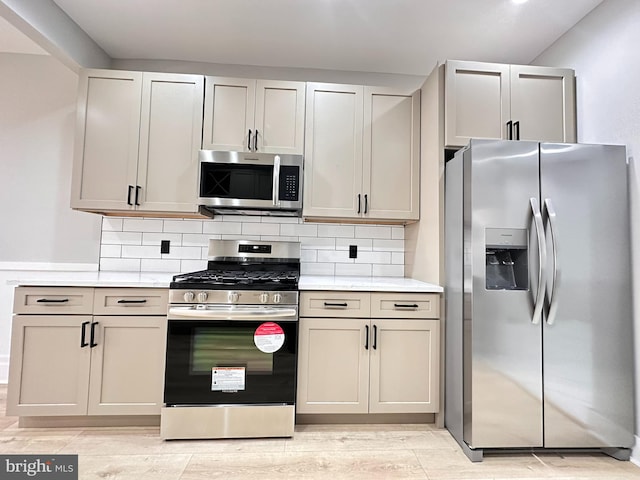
(635, 452)
(4, 369)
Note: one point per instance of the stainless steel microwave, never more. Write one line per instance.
(247, 183)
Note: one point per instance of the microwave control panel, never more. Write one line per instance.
(289, 183)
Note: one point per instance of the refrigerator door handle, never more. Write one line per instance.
(552, 295)
(542, 257)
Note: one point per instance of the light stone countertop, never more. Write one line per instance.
(162, 280)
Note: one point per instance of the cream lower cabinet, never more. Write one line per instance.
(368, 365)
(361, 153)
(137, 141)
(68, 364)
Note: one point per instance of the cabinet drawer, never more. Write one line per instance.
(131, 301)
(53, 300)
(335, 304)
(405, 305)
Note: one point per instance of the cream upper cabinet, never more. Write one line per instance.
(247, 115)
(137, 141)
(361, 153)
(512, 102)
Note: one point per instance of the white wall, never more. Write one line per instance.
(37, 227)
(603, 49)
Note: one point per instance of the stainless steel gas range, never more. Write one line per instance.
(232, 344)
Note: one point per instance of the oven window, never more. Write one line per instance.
(241, 181)
(227, 347)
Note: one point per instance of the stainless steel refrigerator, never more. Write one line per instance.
(539, 334)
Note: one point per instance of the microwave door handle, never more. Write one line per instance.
(276, 180)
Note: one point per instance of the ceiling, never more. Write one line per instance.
(385, 36)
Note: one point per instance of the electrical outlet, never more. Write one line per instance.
(353, 251)
(164, 246)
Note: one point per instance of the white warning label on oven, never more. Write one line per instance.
(269, 337)
(227, 379)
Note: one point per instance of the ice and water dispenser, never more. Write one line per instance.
(507, 266)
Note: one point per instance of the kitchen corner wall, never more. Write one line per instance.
(133, 244)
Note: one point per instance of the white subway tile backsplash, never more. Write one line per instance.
(388, 270)
(121, 238)
(317, 268)
(182, 226)
(111, 224)
(336, 231)
(299, 230)
(222, 228)
(361, 243)
(142, 225)
(133, 244)
(373, 232)
(137, 251)
(388, 245)
(156, 238)
(160, 265)
(120, 264)
(261, 229)
(353, 269)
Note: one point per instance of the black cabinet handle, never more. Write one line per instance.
(92, 342)
(52, 300)
(516, 129)
(83, 337)
(403, 305)
(375, 337)
(342, 305)
(255, 141)
(249, 141)
(509, 130)
(359, 203)
(366, 203)
(129, 195)
(366, 337)
(138, 187)
(131, 301)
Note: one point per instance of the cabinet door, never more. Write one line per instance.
(477, 97)
(171, 135)
(229, 105)
(404, 374)
(333, 366)
(333, 151)
(279, 117)
(106, 143)
(127, 365)
(49, 369)
(391, 152)
(543, 103)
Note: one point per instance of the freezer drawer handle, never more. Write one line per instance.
(52, 300)
(336, 305)
(402, 305)
(542, 258)
(132, 301)
(552, 295)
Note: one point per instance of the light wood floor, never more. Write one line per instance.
(336, 452)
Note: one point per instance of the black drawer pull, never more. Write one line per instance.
(403, 305)
(83, 337)
(341, 305)
(132, 301)
(92, 342)
(52, 300)
(375, 337)
(366, 337)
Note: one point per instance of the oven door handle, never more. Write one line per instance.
(178, 313)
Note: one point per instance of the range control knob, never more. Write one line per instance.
(202, 297)
(277, 298)
(233, 297)
(264, 297)
(189, 296)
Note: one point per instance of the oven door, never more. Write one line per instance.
(221, 355)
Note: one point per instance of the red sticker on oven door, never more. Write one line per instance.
(269, 337)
